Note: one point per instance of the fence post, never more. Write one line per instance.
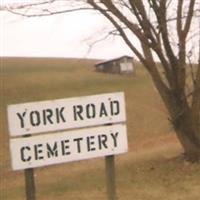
(110, 177)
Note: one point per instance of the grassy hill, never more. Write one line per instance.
(151, 170)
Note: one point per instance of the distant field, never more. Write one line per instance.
(152, 169)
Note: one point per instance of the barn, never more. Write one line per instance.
(120, 65)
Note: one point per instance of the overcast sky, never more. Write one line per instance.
(66, 35)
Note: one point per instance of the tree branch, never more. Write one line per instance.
(189, 18)
(47, 12)
(25, 5)
(119, 29)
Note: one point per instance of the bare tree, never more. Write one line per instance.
(164, 28)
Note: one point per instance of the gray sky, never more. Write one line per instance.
(66, 35)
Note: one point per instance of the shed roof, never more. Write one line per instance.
(112, 60)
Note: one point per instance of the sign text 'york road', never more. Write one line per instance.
(61, 114)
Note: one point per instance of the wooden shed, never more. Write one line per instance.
(120, 65)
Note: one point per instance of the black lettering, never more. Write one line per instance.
(90, 111)
(102, 141)
(114, 105)
(21, 117)
(25, 157)
(47, 115)
(90, 142)
(35, 118)
(38, 151)
(78, 144)
(103, 110)
(114, 137)
(59, 115)
(65, 147)
(78, 109)
(52, 151)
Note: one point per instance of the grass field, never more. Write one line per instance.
(153, 169)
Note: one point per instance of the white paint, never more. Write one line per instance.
(126, 67)
(61, 114)
(68, 146)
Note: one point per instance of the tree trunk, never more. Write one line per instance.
(191, 150)
(188, 137)
(185, 120)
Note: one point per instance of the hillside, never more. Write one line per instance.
(152, 169)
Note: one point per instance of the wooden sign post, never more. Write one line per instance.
(97, 140)
(30, 184)
(110, 177)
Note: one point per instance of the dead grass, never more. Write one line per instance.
(152, 169)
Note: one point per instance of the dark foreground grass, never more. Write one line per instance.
(152, 169)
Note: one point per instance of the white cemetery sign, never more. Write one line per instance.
(47, 149)
(62, 114)
(37, 117)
